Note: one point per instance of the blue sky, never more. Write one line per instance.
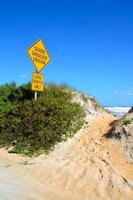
(90, 43)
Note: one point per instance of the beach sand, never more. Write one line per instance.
(86, 167)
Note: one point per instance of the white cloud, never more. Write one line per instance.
(129, 92)
(23, 75)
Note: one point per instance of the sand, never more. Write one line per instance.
(86, 167)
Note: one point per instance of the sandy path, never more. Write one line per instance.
(86, 167)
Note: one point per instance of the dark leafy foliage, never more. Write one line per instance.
(33, 126)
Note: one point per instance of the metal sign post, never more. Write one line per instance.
(35, 96)
(40, 59)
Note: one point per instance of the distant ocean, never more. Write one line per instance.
(119, 111)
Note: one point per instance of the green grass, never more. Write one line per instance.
(32, 127)
(127, 121)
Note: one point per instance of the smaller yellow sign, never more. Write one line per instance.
(37, 82)
(39, 55)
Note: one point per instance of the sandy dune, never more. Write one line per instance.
(86, 167)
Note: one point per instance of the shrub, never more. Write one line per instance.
(127, 121)
(32, 126)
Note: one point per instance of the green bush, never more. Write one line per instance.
(34, 126)
(127, 121)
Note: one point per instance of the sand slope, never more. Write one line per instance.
(86, 167)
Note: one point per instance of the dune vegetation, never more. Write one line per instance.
(30, 127)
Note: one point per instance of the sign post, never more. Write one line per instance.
(40, 59)
(35, 95)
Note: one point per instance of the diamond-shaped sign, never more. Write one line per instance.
(39, 55)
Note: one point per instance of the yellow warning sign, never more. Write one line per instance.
(39, 55)
(37, 82)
